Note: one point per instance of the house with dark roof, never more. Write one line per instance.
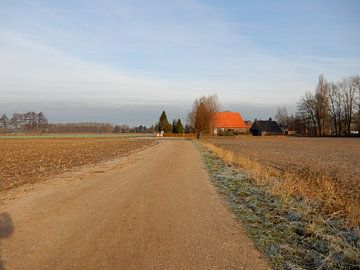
(228, 121)
(268, 127)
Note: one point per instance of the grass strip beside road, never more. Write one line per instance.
(291, 233)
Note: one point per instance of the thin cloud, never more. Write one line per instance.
(140, 52)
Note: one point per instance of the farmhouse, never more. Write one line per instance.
(268, 127)
(228, 121)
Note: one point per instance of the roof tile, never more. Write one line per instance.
(228, 120)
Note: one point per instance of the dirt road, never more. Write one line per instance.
(153, 210)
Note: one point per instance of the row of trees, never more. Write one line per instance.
(164, 125)
(86, 127)
(333, 109)
(138, 129)
(90, 127)
(29, 121)
(37, 122)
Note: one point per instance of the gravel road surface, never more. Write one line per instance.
(155, 209)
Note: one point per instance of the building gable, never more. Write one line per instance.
(232, 120)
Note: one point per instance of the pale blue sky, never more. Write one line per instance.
(111, 54)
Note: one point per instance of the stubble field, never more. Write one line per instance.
(337, 159)
(324, 171)
(32, 159)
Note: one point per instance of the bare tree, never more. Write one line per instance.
(322, 105)
(201, 116)
(314, 109)
(42, 121)
(4, 121)
(15, 121)
(282, 116)
(300, 123)
(336, 108)
(307, 112)
(348, 90)
(356, 84)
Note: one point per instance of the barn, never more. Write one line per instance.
(268, 127)
(228, 121)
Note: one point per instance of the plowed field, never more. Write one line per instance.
(29, 160)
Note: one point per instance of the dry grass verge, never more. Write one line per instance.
(310, 184)
(290, 229)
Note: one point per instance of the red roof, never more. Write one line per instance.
(228, 120)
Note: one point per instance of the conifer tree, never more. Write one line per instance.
(179, 126)
(174, 127)
(164, 123)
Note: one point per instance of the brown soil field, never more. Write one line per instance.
(30, 160)
(336, 158)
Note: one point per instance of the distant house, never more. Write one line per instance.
(228, 121)
(288, 130)
(268, 127)
(354, 129)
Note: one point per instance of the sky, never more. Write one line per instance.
(126, 61)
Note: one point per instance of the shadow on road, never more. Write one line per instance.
(6, 229)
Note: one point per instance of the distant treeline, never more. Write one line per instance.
(138, 129)
(29, 121)
(90, 127)
(80, 128)
(37, 122)
(332, 110)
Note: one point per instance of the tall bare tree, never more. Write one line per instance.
(201, 116)
(336, 108)
(322, 105)
(4, 121)
(282, 116)
(307, 112)
(356, 83)
(348, 90)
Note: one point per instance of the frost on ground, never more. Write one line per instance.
(291, 233)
